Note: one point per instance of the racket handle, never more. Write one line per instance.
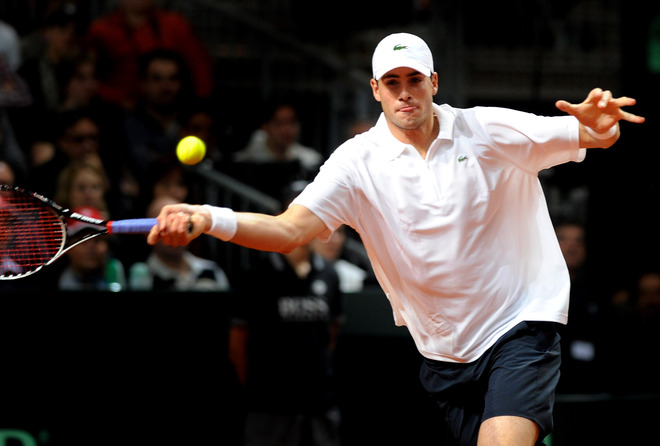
(132, 226)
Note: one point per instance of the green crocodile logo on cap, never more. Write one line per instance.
(399, 47)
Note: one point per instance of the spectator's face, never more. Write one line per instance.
(87, 189)
(162, 83)
(572, 244)
(89, 256)
(172, 184)
(83, 86)
(201, 125)
(60, 41)
(649, 293)
(283, 128)
(6, 174)
(81, 140)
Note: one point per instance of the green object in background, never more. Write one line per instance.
(653, 55)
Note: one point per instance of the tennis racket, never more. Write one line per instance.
(33, 231)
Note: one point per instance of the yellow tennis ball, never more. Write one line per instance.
(191, 150)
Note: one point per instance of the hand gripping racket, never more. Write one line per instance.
(33, 231)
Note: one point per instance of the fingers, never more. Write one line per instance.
(625, 116)
(154, 236)
(605, 98)
(564, 106)
(625, 101)
(605, 102)
(175, 226)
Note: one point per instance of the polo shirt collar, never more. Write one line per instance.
(392, 147)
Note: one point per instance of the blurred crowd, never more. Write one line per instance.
(90, 115)
(91, 110)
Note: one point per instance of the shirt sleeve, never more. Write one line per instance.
(329, 196)
(532, 142)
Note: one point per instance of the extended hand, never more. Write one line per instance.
(600, 110)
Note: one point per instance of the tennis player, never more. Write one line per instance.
(449, 207)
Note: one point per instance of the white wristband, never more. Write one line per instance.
(604, 135)
(223, 222)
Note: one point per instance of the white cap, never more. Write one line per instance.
(401, 50)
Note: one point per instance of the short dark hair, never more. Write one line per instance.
(159, 54)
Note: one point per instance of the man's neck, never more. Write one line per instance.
(421, 137)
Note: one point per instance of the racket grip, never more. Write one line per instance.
(132, 226)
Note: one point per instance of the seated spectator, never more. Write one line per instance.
(581, 339)
(80, 91)
(14, 95)
(91, 266)
(76, 135)
(176, 268)
(275, 146)
(282, 338)
(43, 71)
(135, 28)
(199, 120)
(277, 139)
(152, 130)
(82, 185)
(167, 177)
(79, 83)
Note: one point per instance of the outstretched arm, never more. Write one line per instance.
(599, 115)
(181, 223)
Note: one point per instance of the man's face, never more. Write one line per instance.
(81, 140)
(573, 245)
(90, 256)
(406, 97)
(283, 128)
(162, 83)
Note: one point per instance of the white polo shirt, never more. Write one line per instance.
(461, 242)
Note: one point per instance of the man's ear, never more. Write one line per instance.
(374, 89)
(434, 81)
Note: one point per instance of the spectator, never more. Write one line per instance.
(79, 83)
(14, 93)
(281, 343)
(82, 185)
(153, 128)
(75, 138)
(176, 268)
(581, 338)
(277, 139)
(43, 71)
(135, 28)
(273, 158)
(91, 266)
(200, 120)
(168, 178)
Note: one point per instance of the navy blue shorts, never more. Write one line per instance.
(516, 376)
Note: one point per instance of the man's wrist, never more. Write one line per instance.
(224, 222)
(608, 134)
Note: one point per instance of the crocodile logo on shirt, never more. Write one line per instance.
(462, 158)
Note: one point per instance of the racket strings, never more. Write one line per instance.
(31, 234)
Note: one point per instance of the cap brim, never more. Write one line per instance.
(415, 65)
